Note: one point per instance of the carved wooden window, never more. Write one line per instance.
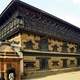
(4, 31)
(0, 34)
(7, 28)
(28, 44)
(15, 22)
(11, 25)
(64, 47)
(78, 48)
(29, 64)
(55, 63)
(19, 19)
(15, 42)
(55, 47)
(72, 49)
(72, 62)
(43, 44)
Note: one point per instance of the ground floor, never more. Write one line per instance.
(67, 76)
(35, 65)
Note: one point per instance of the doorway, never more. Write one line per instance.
(64, 63)
(78, 62)
(43, 63)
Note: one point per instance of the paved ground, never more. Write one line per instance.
(62, 76)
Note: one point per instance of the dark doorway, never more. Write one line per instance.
(43, 44)
(43, 63)
(11, 73)
(64, 63)
(78, 61)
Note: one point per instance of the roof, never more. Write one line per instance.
(13, 4)
(4, 47)
(12, 7)
(7, 49)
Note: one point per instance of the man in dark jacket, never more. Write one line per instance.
(2, 77)
(11, 73)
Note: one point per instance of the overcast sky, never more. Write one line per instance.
(68, 10)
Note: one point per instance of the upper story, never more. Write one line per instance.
(28, 25)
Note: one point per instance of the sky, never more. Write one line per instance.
(68, 10)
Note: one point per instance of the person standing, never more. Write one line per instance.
(2, 76)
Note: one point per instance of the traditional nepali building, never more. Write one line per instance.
(44, 41)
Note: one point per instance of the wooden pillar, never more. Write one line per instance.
(5, 68)
(0, 67)
(19, 74)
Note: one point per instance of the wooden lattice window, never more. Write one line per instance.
(72, 49)
(55, 63)
(55, 48)
(64, 47)
(29, 64)
(72, 62)
(20, 19)
(43, 44)
(28, 44)
(78, 48)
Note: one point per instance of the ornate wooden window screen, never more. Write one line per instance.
(11, 25)
(28, 44)
(64, 47)
(72, 62)
(29, 64)
(55, 63)
(78, 48)
(72, 49)
(55, 48)
(20, 20)
(43, 44)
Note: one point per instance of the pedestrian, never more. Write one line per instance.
(2, 76)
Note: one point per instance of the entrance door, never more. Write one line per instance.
(11, 73)
(78, 61)
(64, 63)
(43, 63)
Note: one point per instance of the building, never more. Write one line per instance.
(44, 41)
